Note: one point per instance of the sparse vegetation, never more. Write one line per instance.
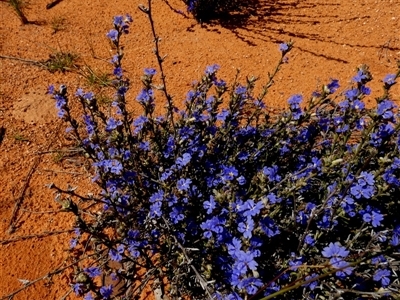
(61, 62)
(58, 24)
(18, 136)
(99, 78)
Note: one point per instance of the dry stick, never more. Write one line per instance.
(59, 171)
(20, 199)
(52, 4)
(31, 236)
(42, 212)
(160, 60)
(29, 61)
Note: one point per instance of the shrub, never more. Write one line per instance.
(227, 200)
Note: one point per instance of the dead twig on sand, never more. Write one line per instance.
(52, 4)
(20, 198)
(28, 61)
(31, 236)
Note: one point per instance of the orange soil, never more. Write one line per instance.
(331, 39)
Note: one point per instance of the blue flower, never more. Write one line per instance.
(77, 288)
(365, 90)
(88, 296)
(252, 209)
(268, 227)
(360, 76)
(145, 146)
(359, 191)
(333, 86)
(234, 248)
(241, 180)
(246, 261)
(309, 240)
(212, 69)
(118, 21)
(93, 271)
(295, 100)
(176, 215)
(118, 72)
(246, 227)
(115, 254)
(121, 91)
(222, 115)
(157, 196)
(183, 184)
(358, 105)
(382, 275)
(378, 260)
(251, 284)
(138, 123)
(155, 209)
(228, 173)
(389, 79)
(343, 266)
(374, 218)
(210, 205)
(113, 35)
(335, 250)
(90, 126)
(272, 198)
(73, 243)
(106, 291)
(184, 160)
(272, 173)
(385, 109)
(145, 96)
(112, 124)
(351, 94)
(165, 175)
(312, 284)
(366, 178)
(283, 47)
(295, 262)
(150, 72)
(240, 90)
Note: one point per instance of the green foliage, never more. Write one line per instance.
(61, 62)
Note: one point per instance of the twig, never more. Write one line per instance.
(52, 4)
(20, 198)
(66, 295)
(29, 61)
(160, 60)
(41, 212)
(176, 10)
(77, 150)
(58, 171)
(31, 236)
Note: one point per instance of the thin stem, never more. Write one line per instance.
(160, 60)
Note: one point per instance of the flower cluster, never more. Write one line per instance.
(227, 200)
